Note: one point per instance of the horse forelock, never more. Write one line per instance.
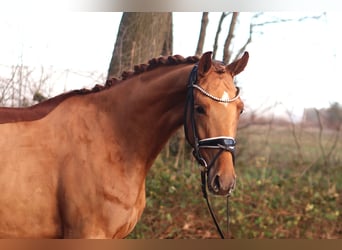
(219, 67)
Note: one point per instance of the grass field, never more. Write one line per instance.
(289, 186)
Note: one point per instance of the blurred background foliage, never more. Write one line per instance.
(282, 191)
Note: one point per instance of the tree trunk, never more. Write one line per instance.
(201, 39)
(219, 28)
(228, 42)
(141, 36)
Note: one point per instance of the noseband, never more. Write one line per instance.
(221, 143)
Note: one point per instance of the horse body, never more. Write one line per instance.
(79, 170)
(87, 180)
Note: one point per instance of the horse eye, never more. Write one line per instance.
(200, 110)
(242, 110)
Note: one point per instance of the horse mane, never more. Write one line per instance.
(138, 69)
(41, 109)
(160, 61)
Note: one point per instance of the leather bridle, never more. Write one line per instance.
(221, 143)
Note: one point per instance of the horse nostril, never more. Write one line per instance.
(216, 184)
(222, 186)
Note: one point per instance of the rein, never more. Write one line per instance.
(222, 143)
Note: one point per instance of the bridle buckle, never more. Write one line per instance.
(203, 165)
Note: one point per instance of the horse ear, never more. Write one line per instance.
(205, 63)
(239, 65)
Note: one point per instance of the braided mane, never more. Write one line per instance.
(141, 68)
(160, 61)
(152, 64)
(138, 69)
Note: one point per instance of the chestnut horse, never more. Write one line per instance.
(74, 166)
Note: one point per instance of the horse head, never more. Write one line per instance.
(212, 114)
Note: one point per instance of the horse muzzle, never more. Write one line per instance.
(220, 169)
(221, 185)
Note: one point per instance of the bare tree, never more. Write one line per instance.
(296, 137)
(325, 150)
(219, 28)
(226, 52)
(232, 50)
(19, 87)
(203, 30)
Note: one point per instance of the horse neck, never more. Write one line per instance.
(149, 109)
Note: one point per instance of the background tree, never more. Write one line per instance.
(203, 30)
(334, 115)
(19, 87)
(141, 36)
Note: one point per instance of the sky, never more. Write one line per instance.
(292, 64)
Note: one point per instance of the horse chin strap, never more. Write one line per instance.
(221, 143)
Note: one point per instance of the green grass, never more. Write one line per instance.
(282, 191)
